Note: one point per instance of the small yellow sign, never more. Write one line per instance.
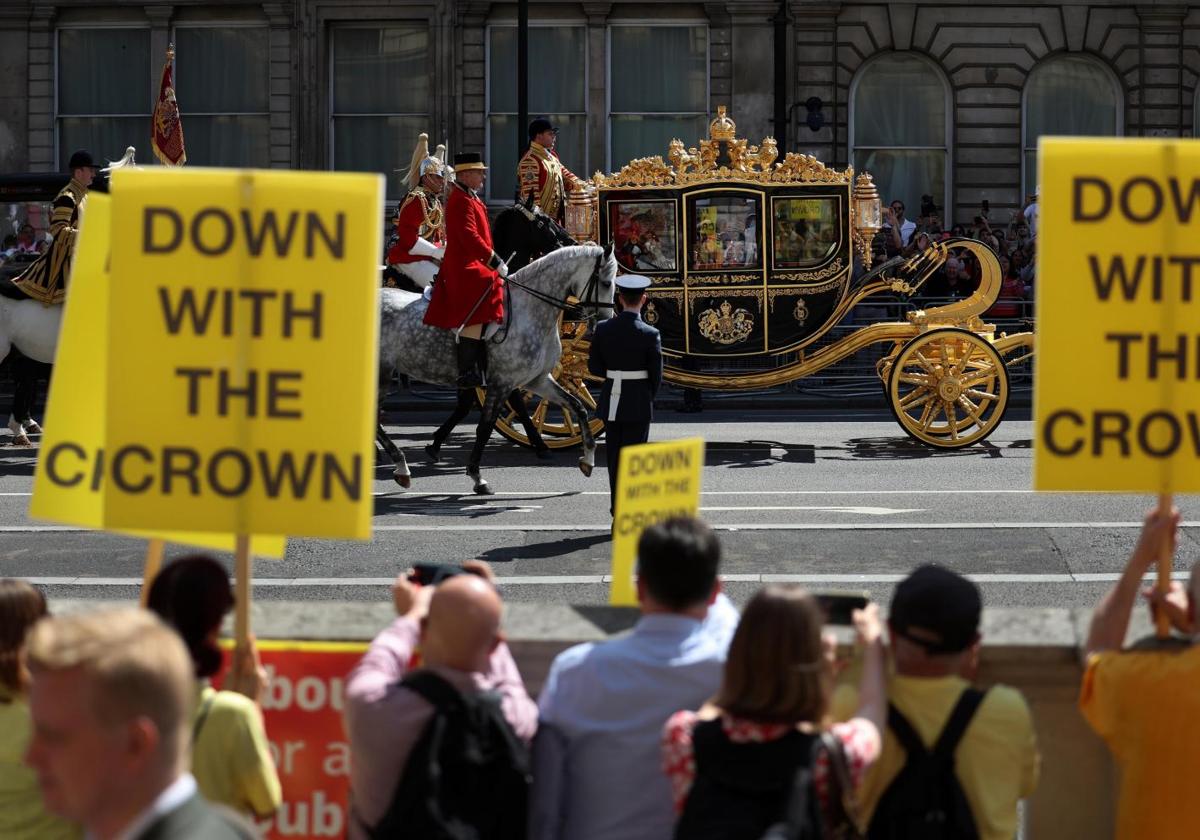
(244, 323)
(62, 490)
(1118, 316)
(655, 481)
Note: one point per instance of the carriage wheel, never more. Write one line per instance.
(558, 429)
(948, 388)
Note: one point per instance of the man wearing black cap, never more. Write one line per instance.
(540, 173)
(934, 639)
(627, 352)
(46, 279)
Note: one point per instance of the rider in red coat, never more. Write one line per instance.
(468, 293)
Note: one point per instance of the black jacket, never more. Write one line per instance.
(625, 342)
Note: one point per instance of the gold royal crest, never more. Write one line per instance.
(728, 326)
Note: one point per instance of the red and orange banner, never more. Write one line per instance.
(166, 132)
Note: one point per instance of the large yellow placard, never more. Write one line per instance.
(244, 327)
(1118, 316)
(655, 481)
(62, 490)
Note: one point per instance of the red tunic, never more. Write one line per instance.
(468, 267)
(411, 222)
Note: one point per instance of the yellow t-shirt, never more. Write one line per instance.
(1144, 704)
(996, 761)
(230, 757)
(22, 815)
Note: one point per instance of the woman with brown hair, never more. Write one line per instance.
(22, 814)
(734, 764)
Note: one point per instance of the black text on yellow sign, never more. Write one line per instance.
(244, 336)
(1118, 371)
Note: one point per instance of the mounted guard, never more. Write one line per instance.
(421, 220)
(542, 176)
(468, 295)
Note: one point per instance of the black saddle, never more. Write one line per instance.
(10, 290)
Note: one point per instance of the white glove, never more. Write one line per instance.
(502, 270)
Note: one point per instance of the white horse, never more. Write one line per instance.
(523, 358)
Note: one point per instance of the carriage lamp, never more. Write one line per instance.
(868, 215)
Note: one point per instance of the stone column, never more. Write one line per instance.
(281, 88)
(815, 28)
(720, 53)
(472, 72)
(160, 39)
(1159, 98)
(751, 55)
(597, 92)
(40, 132)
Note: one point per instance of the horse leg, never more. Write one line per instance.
(399, 463)
(24, 371)
(487, 422)
(466, 401)
(516, 402)
(551, 390)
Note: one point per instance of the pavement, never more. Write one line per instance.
(835, 498)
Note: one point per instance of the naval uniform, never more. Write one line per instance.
(627, 352)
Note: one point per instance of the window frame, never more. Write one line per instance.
(58, 115)
(651, 23)
(949, 120)
(331, 61)
(487, 92)
(1118, 97)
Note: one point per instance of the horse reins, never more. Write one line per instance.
(562, 304)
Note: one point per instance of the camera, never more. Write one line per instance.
(839, 607)
(427, 574)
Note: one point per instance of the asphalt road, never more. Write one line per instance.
(834, 499)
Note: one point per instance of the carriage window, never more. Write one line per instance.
(224, 71)
(724, 233)
(106, 108)
(562, 97)
(804, 231)
(658, 89)
(380, 98)
(644, 234)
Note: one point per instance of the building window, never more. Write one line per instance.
(559, 94)
(899, 105)
(1068, 95)
(103, 91)
(380, 90)
(657, 89)
(221, 77)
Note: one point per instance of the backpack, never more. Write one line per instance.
(467, 777)
(926, 801)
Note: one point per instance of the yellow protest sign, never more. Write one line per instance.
(1118, 322)
(244, 319)
(655, 481)
(74, 407)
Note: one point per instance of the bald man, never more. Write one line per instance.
(452, 631)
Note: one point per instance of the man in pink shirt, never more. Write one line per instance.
(457, 625)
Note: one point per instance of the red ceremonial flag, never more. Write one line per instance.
(166, 132)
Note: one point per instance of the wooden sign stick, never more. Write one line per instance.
(241, 591)
(153, 565)
(1162, 622)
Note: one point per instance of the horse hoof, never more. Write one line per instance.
(585, 468)
(33, 427)
(434, 453)
(482, 489)
(404, 481)
(21, 440)
(543, 453)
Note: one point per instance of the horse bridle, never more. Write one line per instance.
(563, 304)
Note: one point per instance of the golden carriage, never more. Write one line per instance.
(755, 258)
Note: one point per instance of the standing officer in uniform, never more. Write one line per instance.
(540, 173)
(627, 352)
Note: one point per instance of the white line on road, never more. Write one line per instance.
(549, 494)
(859, 510)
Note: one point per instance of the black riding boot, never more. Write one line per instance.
(470, 363)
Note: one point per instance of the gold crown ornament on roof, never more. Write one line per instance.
(722, 128)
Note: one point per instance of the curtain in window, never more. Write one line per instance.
(899, 107)
(103, 73)
(659, 89)
(381, 94)
(1067, 95)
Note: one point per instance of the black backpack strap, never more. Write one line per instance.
(905, 734)
(956, 726)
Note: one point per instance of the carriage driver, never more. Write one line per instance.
(420, 221)
(627, 352)
(467, 295)
(542, 175)
(46, 279)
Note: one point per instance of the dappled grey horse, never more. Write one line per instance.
(521, 356)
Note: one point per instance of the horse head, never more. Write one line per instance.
(526, 231)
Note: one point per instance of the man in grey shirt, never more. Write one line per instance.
(597, 756)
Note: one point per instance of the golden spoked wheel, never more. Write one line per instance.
(948, 388)
(557, 428)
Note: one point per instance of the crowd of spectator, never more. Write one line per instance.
(699, 723)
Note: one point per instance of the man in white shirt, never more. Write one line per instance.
(894, 221)
(111, 700)
(597, 763)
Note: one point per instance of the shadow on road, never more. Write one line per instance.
(543, 550)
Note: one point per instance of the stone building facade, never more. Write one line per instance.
(944, 99)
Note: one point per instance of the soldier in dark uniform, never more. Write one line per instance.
(627, 352)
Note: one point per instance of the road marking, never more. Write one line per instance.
(860, 511)
(595, 580)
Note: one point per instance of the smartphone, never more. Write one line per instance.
(840, 606)
(431, 574)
